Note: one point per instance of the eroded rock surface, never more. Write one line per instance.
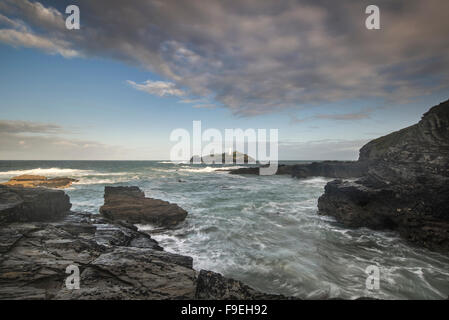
(130, 204)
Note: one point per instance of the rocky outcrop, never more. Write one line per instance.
(329, 169)
(115, 261)
(130, 204)
(23, 205)
(406, 187)
(237, 158)
(33, 181)
(213, 286)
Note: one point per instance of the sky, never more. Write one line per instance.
(136, 70)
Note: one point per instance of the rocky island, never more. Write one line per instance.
(237, 158)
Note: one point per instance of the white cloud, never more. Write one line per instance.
(159, 88)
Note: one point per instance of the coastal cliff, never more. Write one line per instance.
(406, 186)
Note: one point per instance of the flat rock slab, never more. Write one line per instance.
(130, 204)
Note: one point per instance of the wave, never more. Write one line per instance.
(48, 172)
(208, 169)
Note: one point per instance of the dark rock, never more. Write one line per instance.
(213, 286)
(329, 169)
(20, 205)
(406, 187)
(129, 204)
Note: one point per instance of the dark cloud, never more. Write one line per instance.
(253, 56)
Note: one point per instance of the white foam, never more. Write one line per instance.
(208, 169)
(49, 172)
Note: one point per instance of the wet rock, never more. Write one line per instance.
(34, 181)
(213, 286)
(20, 205)
(130, 204)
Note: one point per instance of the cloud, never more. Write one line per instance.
(205, 106)
(329, 149)
(255, 57)
(15, 126)
(34, 140)
(346, 116)
(159, 88)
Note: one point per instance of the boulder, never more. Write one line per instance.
(27, 204)
(130, 204)
(33, 181)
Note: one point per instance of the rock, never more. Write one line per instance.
(20, 205)
(406, 187)
(213, 286)
(129, 204)
(33, 181)
(134, 273)
(34, 257)
(329, 169)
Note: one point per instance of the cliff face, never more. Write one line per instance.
(406, 186)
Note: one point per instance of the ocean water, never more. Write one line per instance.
(264, 231)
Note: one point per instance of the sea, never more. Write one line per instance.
(262, 230)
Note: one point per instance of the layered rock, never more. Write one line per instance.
(406, 187)
(22, 205)
(34, 181)
(130, 204)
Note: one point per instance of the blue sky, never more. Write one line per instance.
(100, 115)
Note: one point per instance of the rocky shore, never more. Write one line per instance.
(400, 182)
(40, 237)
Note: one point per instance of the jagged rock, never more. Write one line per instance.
(34, 181)
(406, 187)
(213, 286)
(129, 204)
(19, 204)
